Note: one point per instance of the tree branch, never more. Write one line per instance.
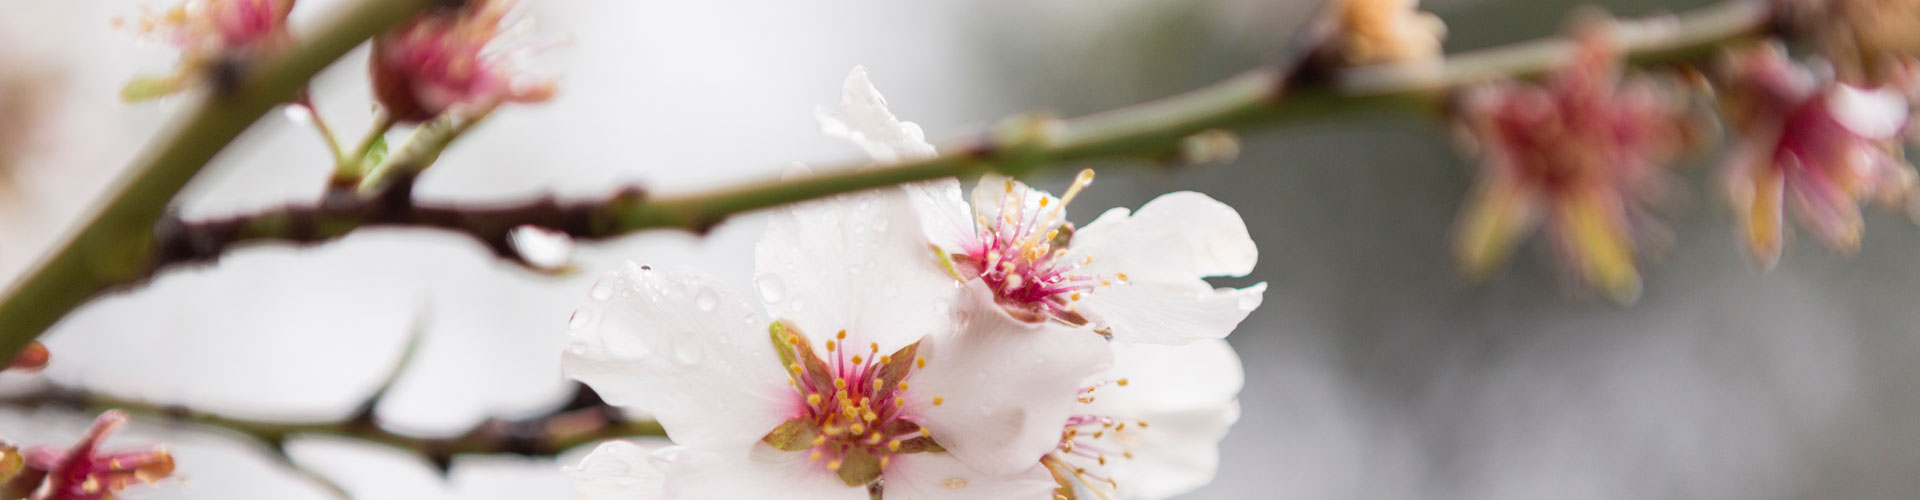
(1153, 131)
(115, 245)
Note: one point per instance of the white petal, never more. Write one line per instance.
(856, 262)
(1188, 394)
(677, 343)
(1184, 234)
(622, 470)
(865, 120)
(1876, 114)
(1007, 386)
(939, 476)
(762, 472)
(997, 192)
(946, 219)
(1142, 312)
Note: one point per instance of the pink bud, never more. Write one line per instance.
(32, 359)
(448, 59)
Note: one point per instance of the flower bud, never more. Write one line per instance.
(32, 359)
(1387, 31)
(207, 32)
(449, 58)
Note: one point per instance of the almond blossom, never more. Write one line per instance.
(1820, 147)
(1582, 155)
(1136, 277)
(1150, 428)
(207, 32)
(879, 372)
(452, 58)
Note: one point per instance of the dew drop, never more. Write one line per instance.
(705, 300)
(602, 290)
(297, 114)
(880, 225)
(798, 305)
(772, 291)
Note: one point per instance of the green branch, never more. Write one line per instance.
(114, 247)
(1154, 131)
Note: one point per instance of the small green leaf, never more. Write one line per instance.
(858, 467)
(151, 87)
(794, 435)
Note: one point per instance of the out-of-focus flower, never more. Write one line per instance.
(1137, 277)
(1870, 42)
(208, 32)
(1821, 146)
(453, 58)
(920, 389)
(1584, 155)
(33, 358)
(1386, 32)
(1151, 427)
(87, 473)
(621, 470)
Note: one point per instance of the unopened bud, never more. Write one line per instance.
(32, 359)
(451, 58)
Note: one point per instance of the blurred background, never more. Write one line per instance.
(1373, 370)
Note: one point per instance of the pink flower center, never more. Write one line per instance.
(857, 403)
(1021, 255)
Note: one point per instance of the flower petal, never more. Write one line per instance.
(1170, 313)
(865, 120)
(1874, 114)
(996, 193)
(1189, 395)
(678, 344)
(858, 263)
(622, 470)
(1183, 234)
(944, 216)
(761, 472)
(940, 476)
(1828, 210)
(1006, 386)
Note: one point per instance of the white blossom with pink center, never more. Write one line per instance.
(1151, 427)
(880, 372)
(1136, 277)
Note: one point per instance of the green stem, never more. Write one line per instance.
(114, 246)
(352, 166)
(120, 252)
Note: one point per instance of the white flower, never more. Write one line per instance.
(1151, 427)
(880, 371)
(621, 470)
(1136, 277)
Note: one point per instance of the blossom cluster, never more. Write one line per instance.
(449, 59)
(918, 345)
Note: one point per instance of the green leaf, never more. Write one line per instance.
(794, 435)
(858, 467)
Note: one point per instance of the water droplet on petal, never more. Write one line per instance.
(542, 248)
(705, 300)
(297, 114)
(772, 291)
(798, 304)
(602, 290)
(880, 225)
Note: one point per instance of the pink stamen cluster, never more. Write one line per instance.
(857, 402)
(1021, 256)
(1094, 438)
(87, 473)
(448, 59)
